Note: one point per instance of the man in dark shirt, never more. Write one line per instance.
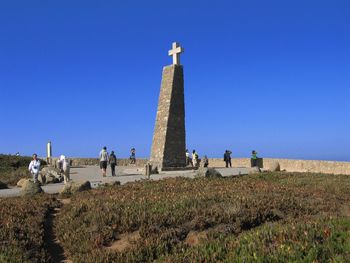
(227, 158)
(133, 156)
(113, 162)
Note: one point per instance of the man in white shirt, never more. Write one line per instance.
(34, 167)
(104, 160)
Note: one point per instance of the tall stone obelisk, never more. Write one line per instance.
(169, 138)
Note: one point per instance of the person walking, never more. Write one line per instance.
(34, 167)
(194, 158)
(113, 162)
(103, 160)
(227, 158)
(65, 168)
(133, 156)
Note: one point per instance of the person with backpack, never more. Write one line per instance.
(113, 162)
(227, 158)
(104, 160)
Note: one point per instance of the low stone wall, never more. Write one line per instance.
(95, 161)
(331, 167)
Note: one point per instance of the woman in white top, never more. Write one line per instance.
(34, 167)
(65, 168)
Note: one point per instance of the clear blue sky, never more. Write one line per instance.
(267, 75)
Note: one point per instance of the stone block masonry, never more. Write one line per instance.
(312, 166)
(168, 145)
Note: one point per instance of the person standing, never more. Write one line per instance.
(227, 158)
(65, 168)
(113, 162)
(254, 158)
(205, 161)
(133, 156)
(188, 159)
(104, 160)
(194, 158)
(34, 167)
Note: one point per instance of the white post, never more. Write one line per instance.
(49, 153)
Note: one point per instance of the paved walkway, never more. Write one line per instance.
(124, 175)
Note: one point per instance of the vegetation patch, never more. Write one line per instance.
(125, 242)
(14, 168)
(324, 240)
(22, 228)
(209, 220)
(272, 217)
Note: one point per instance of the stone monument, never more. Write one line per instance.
(169, 138)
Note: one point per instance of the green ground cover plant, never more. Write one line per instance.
(273, 217)
(22, 228)
(13, 168)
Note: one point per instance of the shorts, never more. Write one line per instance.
(103, 164)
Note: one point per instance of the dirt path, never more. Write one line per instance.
(53, 245)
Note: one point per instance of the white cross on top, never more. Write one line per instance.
(175, 52)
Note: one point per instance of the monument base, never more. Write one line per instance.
(168, 145)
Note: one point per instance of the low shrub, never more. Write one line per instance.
(226, 211)
(11, 177)
(322, 240)
(14, 168)
(273, 217)
(22, 228)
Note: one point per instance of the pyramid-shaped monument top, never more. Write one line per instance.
(175, 52)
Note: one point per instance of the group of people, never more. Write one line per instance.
(194, 161)
(106, 159)
(111, 159)
(227, 158)
(63, 166)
